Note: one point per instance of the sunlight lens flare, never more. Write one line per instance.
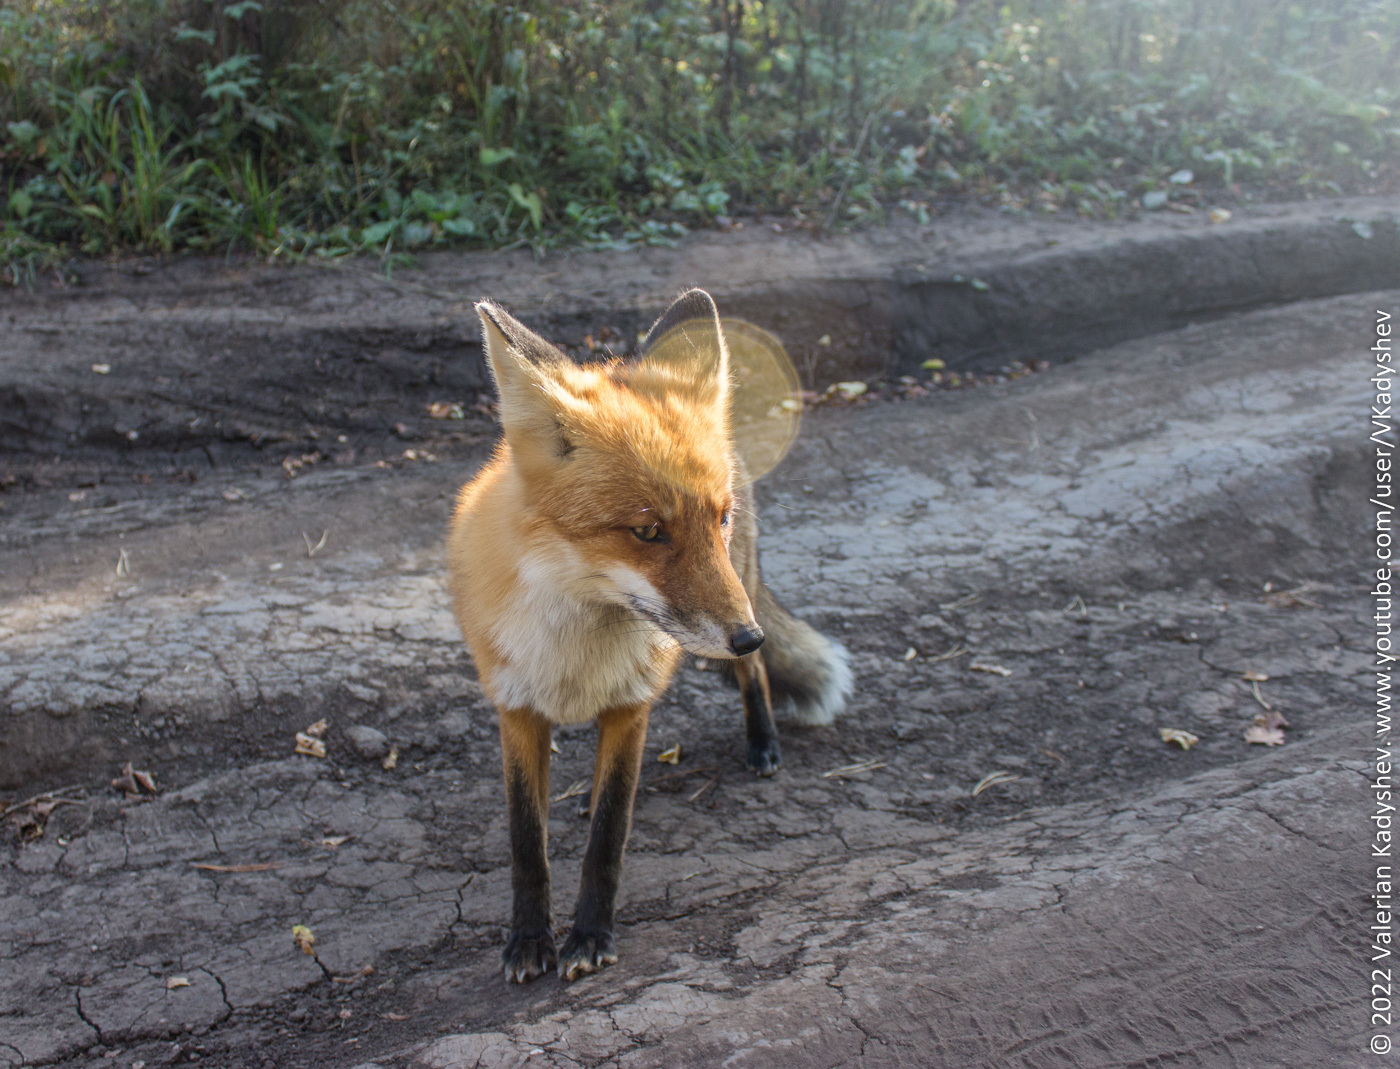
(765, 409)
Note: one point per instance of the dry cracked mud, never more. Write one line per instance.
(1119, 539)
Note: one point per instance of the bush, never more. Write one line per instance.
(295, 127)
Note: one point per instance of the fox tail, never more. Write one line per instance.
(804, 666)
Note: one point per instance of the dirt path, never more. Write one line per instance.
(1103, 531)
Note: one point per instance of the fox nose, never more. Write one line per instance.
(746, 640)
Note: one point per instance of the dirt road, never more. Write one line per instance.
(1033, 577)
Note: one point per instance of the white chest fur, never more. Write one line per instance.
(567, 655)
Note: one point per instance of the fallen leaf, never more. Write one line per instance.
(234, 495)
(332, 841)
(318, 730)
(305, 940)
(868, 765)
(671, 756)
(102, 369)
(1264, 736)
(132, 782)
(554, 747)
(575, 789)
(825, 339)
(391, 1016)
(910, 653)
(1256, 677)
(1181, 178)
(310, 747)
(992, 779)
(1184, 739)
(446, 410)
(1271, 720)
(1219, 215)
(994, 669)
(172, 982)
(933, 365)
(1292, 599)
(391, 761)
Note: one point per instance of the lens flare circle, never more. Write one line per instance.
(765, 410)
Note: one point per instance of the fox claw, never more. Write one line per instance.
(764, 757)
(529, 953)
(586, 952)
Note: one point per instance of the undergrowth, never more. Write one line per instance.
(291, 128)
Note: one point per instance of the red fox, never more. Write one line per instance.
(612, 530)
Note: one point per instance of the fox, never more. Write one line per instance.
(613, 531)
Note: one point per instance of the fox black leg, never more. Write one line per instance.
(529, 949)
(764, 755)
(622, 734)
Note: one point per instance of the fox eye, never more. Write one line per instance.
(724, 519)
(650, 533)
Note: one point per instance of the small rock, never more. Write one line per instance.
(368, 742)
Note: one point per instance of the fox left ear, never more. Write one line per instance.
(690, 332)
(523, 365)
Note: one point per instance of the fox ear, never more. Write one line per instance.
(700, 344)
(522, 364)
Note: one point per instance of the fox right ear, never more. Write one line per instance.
(521, 363)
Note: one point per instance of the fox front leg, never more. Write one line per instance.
(529, 949)
(764, 755)
(622, 734)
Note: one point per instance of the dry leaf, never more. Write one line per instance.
(391, 1016)
(309, 747)
(102, 369)
(445, 410)
(1271, 719)
(994, 669)
(172, 982)
(671, 756)
(318, 730)
(554, 747)
(304, 939)
(333, 841)
(133, 781)
(1263, 735)
(991, 779)
(575, 789)
(910, 653)
(1184, 739)
(868, 765)
(1256, 677)
(1219, 215)
(391, 760)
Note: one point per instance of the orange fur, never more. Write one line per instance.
(565, 609)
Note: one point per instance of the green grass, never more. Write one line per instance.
(292, 128)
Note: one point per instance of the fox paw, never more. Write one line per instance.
(586, 952)
(529, 953)
(765, 757)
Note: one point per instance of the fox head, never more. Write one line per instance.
(630, 464)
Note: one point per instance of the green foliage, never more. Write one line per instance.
(323, 127)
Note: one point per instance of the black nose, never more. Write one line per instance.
(746, 640)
